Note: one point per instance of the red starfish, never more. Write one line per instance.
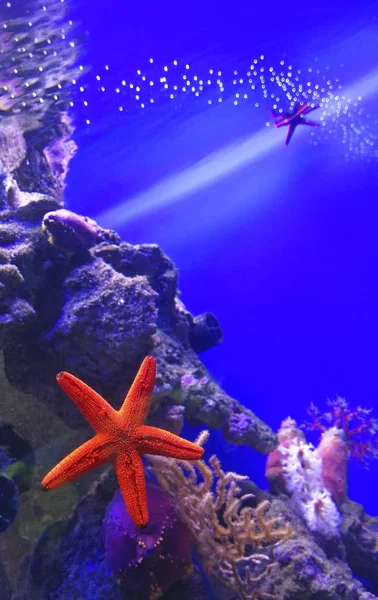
(121, 438)
(295, 118)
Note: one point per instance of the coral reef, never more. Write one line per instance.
(69, 560)
(60, 150)
(281, 559)
(356, 427)
(316, 478)
(302, 467)
(234, 542)
(80, 300)
(147, 560)
(288, 563)
(95, 309)
(97, 313)
(333, 453)
(287, 434)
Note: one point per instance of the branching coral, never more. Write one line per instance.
(360, 437)
(234, 542)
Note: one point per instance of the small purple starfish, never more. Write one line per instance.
(295, 118)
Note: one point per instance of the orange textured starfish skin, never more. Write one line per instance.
(121, 438)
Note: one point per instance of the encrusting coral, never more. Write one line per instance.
(234, 542)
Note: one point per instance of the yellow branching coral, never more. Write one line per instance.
(234, 542)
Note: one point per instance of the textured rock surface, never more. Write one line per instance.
(360, 536)
(97, 313)
(309, 568)
(306, 567)
(5, 588)
(69, 561)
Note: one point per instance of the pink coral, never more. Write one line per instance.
(333, 450)
(345, 432)
(287, 434)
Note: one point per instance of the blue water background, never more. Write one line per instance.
(284, 250)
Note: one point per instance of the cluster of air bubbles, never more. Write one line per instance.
(38, 58)
(40, 70)
(260, 85)
(348, 121)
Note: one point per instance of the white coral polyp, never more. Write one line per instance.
(302, 469)
(321, 514)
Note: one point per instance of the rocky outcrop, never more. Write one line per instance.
(96, 307)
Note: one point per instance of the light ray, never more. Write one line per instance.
(215, 167)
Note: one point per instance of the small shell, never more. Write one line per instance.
(74, 232)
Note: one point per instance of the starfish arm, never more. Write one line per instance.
(130, 475)
(310, 109)
(275, 115)
(93, 453)
(135, 407)
(283, 122)
(99, 414)
(289, 134)
(302, 109)
(152, 440)
(308, 122)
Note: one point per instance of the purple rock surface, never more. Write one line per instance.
(147, 560)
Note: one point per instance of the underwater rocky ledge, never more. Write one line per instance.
(74, 297)
(96, 306)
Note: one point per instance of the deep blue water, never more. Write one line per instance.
(283, 246)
